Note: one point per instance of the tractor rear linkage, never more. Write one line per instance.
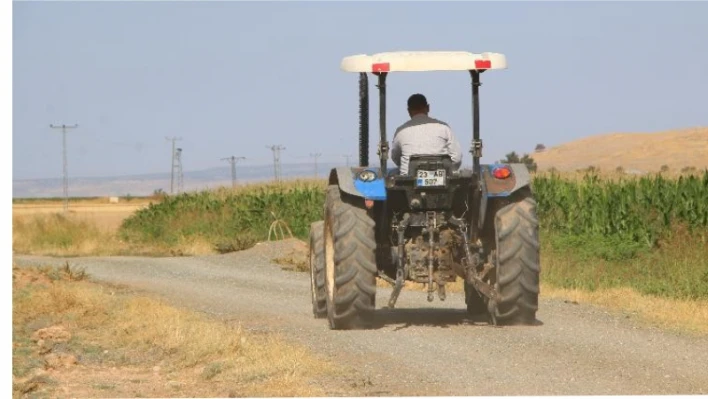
(470, 262)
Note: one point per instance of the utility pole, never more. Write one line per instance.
(65, 161)
(233, 160)
(347, 157)
(276, 159)
(172, 171)
(180, 175)
(317, 155)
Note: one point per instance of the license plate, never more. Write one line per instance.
(431, 178)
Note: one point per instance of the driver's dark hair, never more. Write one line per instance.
(417, 101)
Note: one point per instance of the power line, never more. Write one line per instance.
(64, 160)
(180, 175)
(347, 157)
(276, 160)
(174, 165)
(233, 160)
(317, 155)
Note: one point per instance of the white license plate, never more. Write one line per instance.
(431, 178)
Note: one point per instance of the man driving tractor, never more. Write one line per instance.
(429, 222)
(423, 135)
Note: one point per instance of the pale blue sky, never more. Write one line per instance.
(233, 77)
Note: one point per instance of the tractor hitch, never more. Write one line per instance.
(432, 229)
(400, 263)
(475, 277)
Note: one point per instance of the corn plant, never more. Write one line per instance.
(640, 210)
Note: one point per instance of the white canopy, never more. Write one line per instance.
(419, 61)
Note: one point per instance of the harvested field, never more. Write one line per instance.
(106, 216)
(634, 152)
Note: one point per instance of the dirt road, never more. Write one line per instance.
(422, 348)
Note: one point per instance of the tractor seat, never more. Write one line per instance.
(429, 162)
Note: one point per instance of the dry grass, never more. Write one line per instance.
(59, 235)
(54, 234)
(129, 345)
(107, 217)
(672, 314)
(41, 228)
(82, 201)
(645, 152)
(613, 175)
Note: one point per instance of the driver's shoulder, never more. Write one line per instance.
(406, 124)
(420, 120)
(434, 120)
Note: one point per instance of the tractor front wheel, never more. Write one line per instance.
(317, 270)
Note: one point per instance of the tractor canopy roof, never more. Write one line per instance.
(420, 61)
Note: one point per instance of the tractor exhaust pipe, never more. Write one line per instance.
(383, 144)
(363, 119)
(476, 149)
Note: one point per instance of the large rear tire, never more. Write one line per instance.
(350, 262)
(517, 262)
(317, 270)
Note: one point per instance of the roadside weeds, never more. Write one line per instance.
(75, 337)
(66, 236)
(686, 316)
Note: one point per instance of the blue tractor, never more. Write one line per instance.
(431, 226)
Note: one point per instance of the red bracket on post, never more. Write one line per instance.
(381, 67)
(483, 64)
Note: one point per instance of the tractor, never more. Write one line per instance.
(431, 226)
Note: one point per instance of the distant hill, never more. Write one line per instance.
(645, 152)
(146, 184)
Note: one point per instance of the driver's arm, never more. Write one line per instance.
(396, 149)
(453, 148)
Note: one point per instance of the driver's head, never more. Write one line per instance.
(418, 104)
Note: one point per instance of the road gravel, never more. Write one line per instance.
(422, 348)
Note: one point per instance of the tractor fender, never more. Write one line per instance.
(499, 188)
(519, 178)
(348, 181)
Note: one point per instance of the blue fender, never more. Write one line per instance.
(349, 182)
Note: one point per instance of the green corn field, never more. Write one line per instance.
(648, 233)
(225, 214)
(640, 210)
(608, 232)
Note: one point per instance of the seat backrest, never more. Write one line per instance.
(429, 162)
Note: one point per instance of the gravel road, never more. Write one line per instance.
(422, 348)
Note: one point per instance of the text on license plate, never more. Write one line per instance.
(427, 178)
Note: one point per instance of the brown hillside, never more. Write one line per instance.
(645, 152)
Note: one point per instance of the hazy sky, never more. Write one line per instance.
(233, 77)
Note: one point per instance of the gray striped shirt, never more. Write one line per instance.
(423, 135)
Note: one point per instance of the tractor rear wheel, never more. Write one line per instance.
(517, 262)
(350, 262)
(317, 270)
